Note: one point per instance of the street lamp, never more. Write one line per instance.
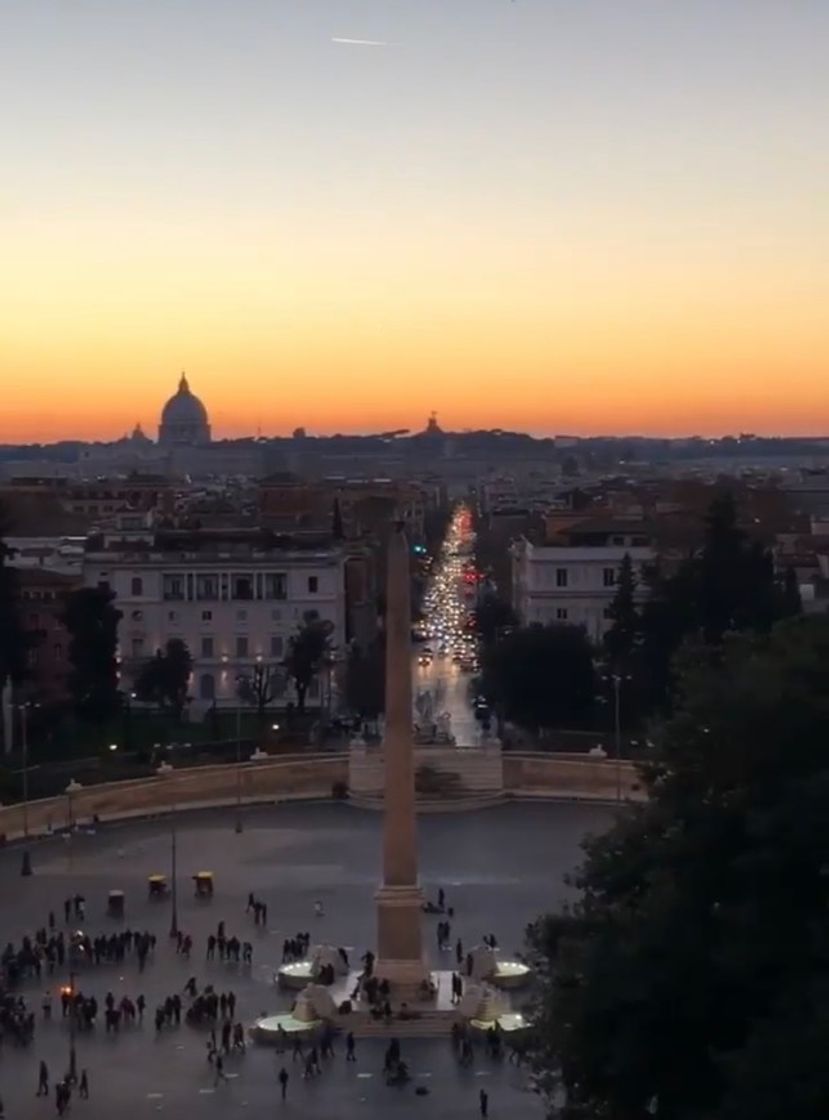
(238, 766)
(173, 873)
(73, 1061)
(616, 680)
(26, 861)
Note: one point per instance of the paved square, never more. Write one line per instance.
(499, 868)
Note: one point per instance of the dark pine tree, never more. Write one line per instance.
(688, 979)
(92, 622)
(620, 639)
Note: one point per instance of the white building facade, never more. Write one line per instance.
(573, 584)
(235, 605)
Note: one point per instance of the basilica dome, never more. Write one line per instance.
(184, 419)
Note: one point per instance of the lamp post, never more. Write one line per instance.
(238, 766)
(617, 716)
(173, 873)
(73, 1061)
(616, 680)
(26, 861)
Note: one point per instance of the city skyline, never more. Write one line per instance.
(547, 217)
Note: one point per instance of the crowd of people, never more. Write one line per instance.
(198, 1005)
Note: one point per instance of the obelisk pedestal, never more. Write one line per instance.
(400, 958)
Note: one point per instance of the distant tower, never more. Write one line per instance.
(432, 427)
(184, 420)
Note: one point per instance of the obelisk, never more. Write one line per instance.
(400, 957)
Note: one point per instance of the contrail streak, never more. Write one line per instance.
(360, 42)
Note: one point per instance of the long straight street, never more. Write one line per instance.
(447, 659)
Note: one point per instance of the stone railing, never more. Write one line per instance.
(576, 776)
(525, 775)
(289, 776)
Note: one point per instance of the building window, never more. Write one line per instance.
(136, 586)
(561, 614)
(137, 616)
(207, 647)
(172, 587)
(172, 616)
(103, 585)
(207, 587)
(57, 651)
(276, 585)
(241, 616)
(241, 646)
(313, 585)
(609, 577)
(207, 687)
(241, 587)
(607, 613)
(561, 577)
(207, 616)
(137, 647)
(277, 645)
(33, 656)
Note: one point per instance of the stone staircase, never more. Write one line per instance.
(456, 804)
(450, 775)
(433, 1023)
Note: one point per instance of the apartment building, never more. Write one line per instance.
(572, 578)
(234, 596)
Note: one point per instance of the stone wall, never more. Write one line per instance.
(576, 776)
(286, 777)
(481, 772)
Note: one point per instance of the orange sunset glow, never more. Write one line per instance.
(539, 237)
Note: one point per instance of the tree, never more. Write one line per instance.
(492, 615)
(689, 978)
(261, 688)
(92, 622)
(308, 652)
(165, 678)
(620, 639)
(726, 586)
(337, 529)
(365, 679)
(13, 639)
(540, 676)
(791, 603)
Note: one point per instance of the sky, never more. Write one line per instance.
(581, 216)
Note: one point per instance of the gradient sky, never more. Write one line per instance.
(555, 215)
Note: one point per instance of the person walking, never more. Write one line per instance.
(83, 1086)
(283, 1082)
(483, 1102)
(350, 1056)
(220, 1069)
(42, 1081)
